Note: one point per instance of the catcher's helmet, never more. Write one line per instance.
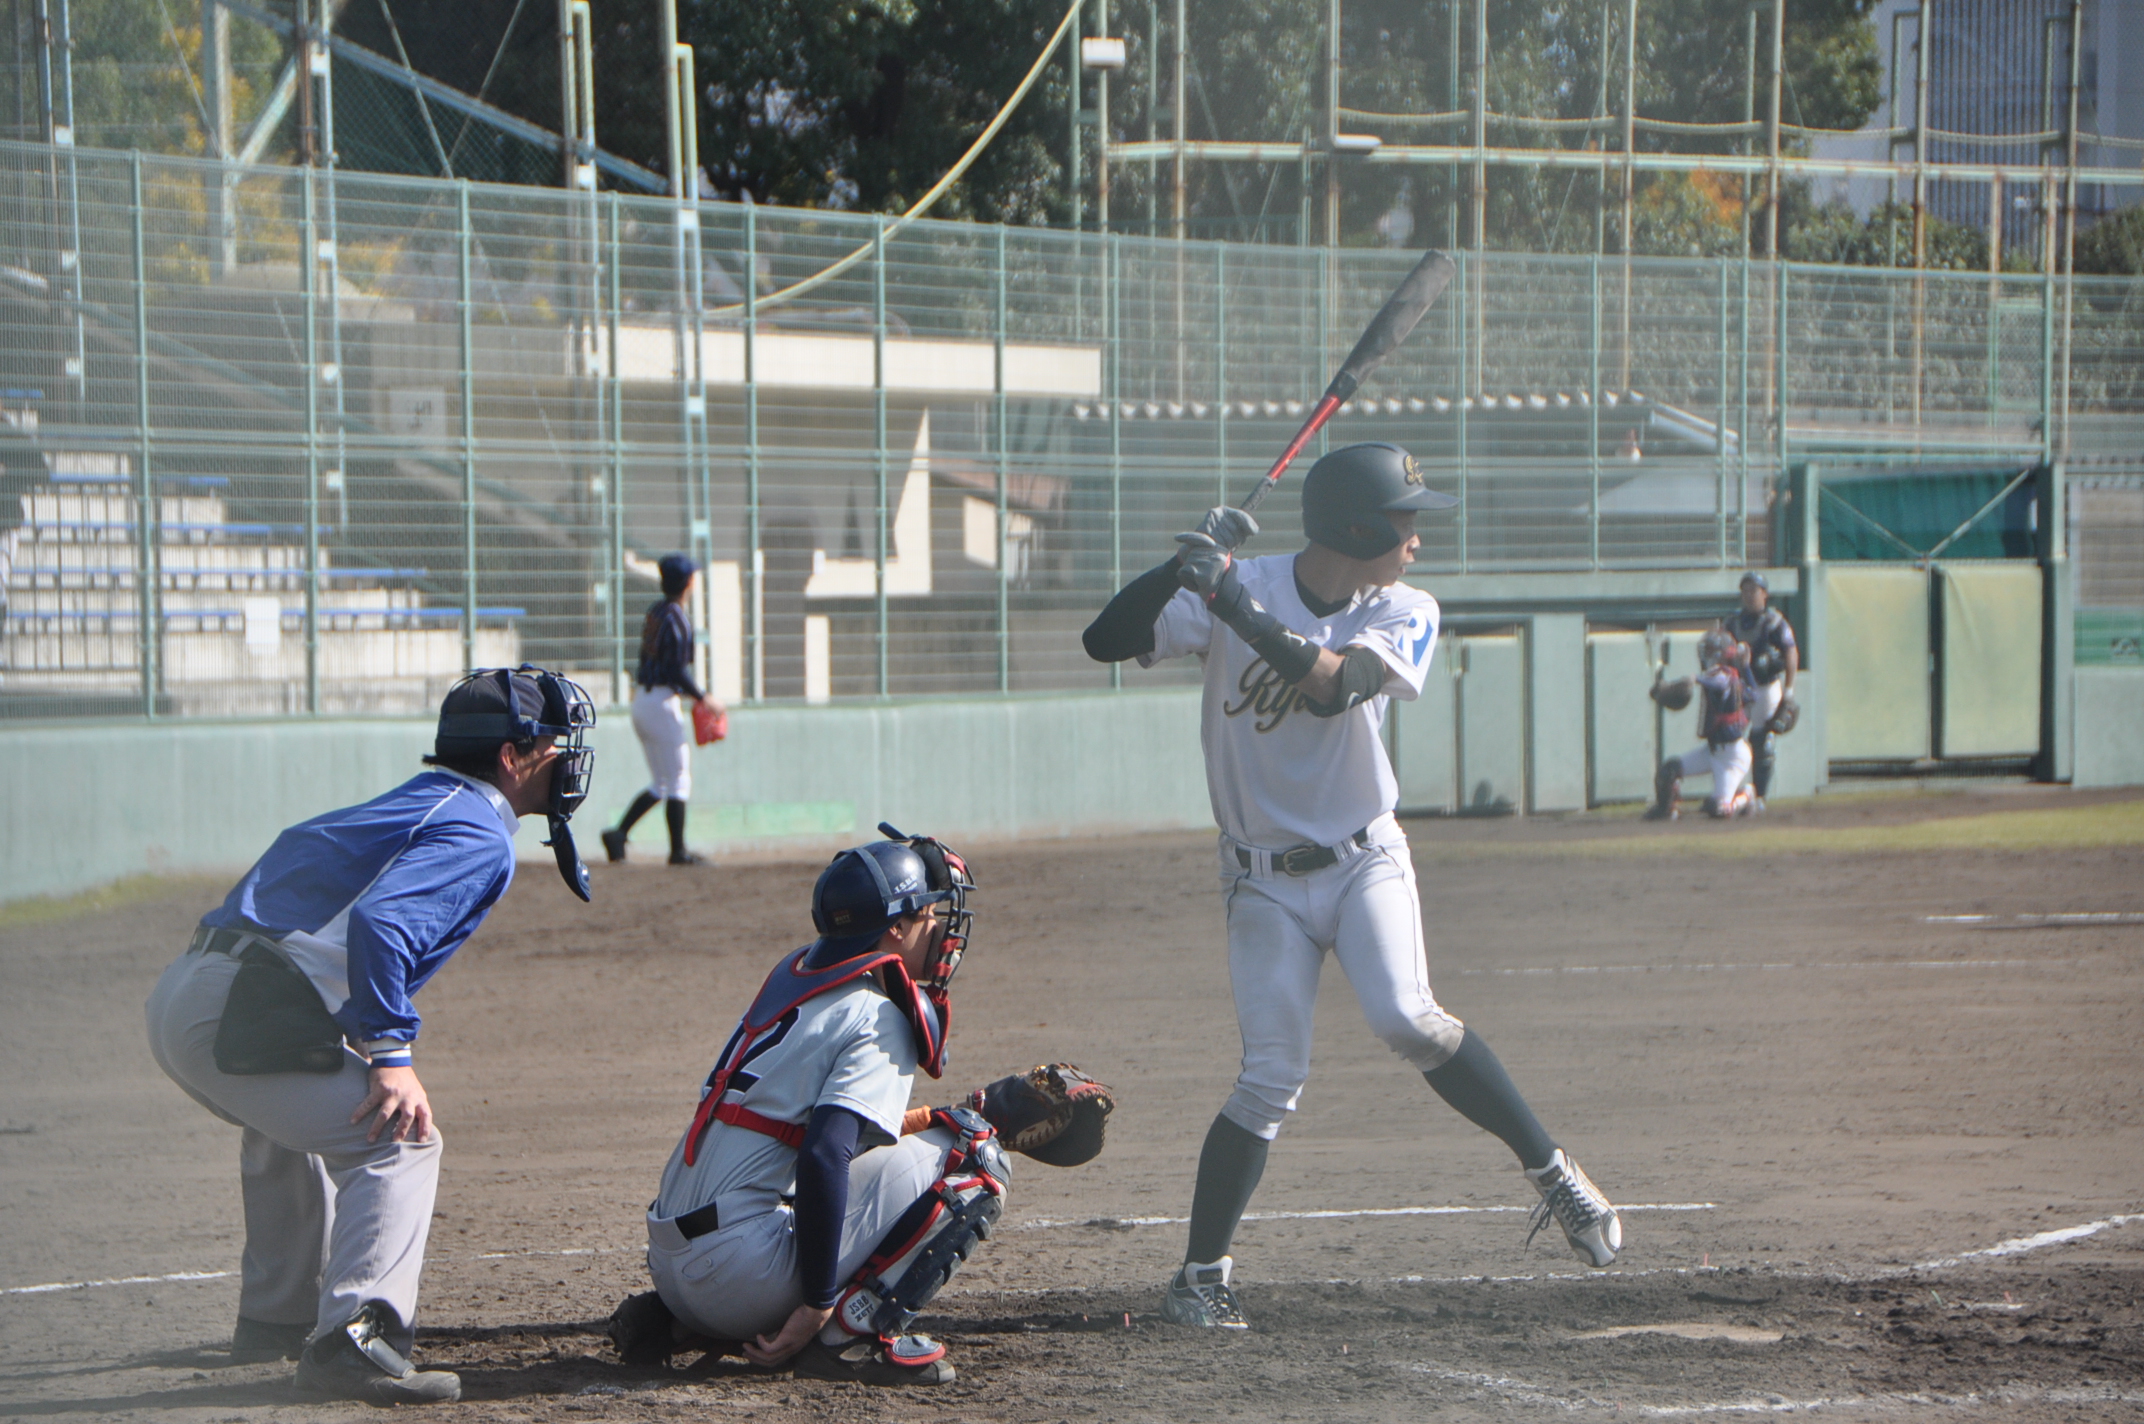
(1716, 647)
(862, 892)
(1348, 493)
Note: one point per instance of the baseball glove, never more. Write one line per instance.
(1053, 1112)
(1672, 695)
(1788, 714)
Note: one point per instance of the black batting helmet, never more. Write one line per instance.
(1348, 493)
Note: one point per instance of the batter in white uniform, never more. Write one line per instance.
(795, 1224)
(1301, 654)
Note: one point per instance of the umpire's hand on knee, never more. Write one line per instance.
(797, 1331)
(399, 1100)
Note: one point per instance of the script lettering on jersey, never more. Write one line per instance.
(1268, 699)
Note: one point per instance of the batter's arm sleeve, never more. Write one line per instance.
(1124, 628)
(830, 1144)
(1362, 677)
(422, 907)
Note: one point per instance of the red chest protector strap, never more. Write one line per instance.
(790, 985)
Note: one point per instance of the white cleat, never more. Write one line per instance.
(1568, 1195)
(1199, 1295)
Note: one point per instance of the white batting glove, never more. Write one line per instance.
(1224, 526)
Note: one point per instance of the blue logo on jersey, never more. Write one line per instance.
(1421, 644)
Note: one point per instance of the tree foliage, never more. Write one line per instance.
(2113, 246)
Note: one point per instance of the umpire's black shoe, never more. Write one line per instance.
(909, 1359)
(256, 1341)
(353, 1362)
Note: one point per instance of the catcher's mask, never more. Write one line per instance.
(494, 705)
(1715, 647)
(864, 891)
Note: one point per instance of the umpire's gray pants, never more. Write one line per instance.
(332, 1221)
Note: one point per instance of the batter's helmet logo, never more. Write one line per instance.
(1413, 470)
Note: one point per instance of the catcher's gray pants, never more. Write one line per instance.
(740, 1280)
(1366, 911)
(332, 1221)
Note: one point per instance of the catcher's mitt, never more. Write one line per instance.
(1788, 714)
(1053, 1112)
(1673, 695)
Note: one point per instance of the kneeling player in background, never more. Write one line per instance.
(1722, 722)
(808, 1214)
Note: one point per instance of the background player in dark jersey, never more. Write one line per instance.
(1773, 661)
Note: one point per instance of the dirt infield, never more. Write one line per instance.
(1873, 1163)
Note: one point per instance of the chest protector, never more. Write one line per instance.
(928, 1011)
(1726, 714)
(1760, 633)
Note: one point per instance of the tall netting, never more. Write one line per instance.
(363, 430)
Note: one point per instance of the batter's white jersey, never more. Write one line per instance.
(1278, 774)
(850, 1047)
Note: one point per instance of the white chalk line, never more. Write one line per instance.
(2019, 1245)
(2016, 1246)
(1119, 1223)
(1545, 971)
(1520, 1392)
(2060, 918)
(52, 1287)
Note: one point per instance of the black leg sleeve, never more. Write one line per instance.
(674, 813)
(1229, 1168)
(1125, 626)
(645, 802)
(1474, 1082)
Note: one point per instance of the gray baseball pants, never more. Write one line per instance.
(332, 1221)
(741, 1281)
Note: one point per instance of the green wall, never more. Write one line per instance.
(82, 804)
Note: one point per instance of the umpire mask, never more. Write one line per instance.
(494, 705)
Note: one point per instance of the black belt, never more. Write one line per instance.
(1302, 859)
(231, 942)
(695, 1224)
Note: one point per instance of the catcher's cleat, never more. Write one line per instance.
(614, 844)
(255, 1342)
(1199, 1295)
(642, 1330)
(353, 1362)
(905, 1359)
(1568, 1195)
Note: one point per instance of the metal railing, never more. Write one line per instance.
(390, 426)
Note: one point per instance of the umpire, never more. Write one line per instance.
(1773, 661)
(289, 1015)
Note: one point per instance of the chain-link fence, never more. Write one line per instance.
(322, 452)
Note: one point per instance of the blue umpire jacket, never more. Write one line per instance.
(371, 900)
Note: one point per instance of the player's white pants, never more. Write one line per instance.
(1728, 764)
(662, 719)
(1764, 703)
(1367, 912)
(332, 1221)
(741, 1280)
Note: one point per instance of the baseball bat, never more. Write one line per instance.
(1380, 339)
